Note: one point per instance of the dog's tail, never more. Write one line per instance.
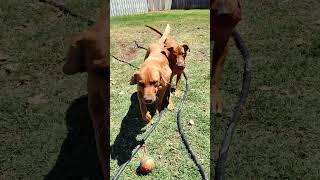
(165, 34)
(154, 29)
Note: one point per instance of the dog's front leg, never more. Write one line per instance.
(146, 116)
(177, 91)
(170, 105)
(159, 102)
(220, 51)
(98, 109)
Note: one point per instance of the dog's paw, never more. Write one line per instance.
(170, 107)
(177, 93)
(148, 117)
(217, 106)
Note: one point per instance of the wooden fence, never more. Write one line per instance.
(128, 7)
(159, 5)
(190, 4)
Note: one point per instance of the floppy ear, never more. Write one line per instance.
(134, 78)
(167, 51)
(170, 49)
(185, 47)
(75, 61)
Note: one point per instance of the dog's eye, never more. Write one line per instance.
(154, 82)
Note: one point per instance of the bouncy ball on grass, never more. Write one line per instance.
(146, 164)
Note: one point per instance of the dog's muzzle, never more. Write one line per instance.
(149, 99)
(181, 66)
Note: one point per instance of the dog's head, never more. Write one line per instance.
(87, 53)
(149, 81)
(177, 54)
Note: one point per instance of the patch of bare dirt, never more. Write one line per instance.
(128, 51)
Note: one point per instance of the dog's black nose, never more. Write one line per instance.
(181, 66)
(148, 101)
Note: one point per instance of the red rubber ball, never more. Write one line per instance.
(146, 164)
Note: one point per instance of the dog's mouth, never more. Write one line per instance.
(180, 66)
(149, 101)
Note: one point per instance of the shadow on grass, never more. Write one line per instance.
(78, 156)
(141, 173)
(131, 127)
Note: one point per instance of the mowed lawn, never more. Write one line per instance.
(164, 145)
(278, 134)
(35, 94)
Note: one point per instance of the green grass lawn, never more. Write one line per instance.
(277, 137)
(278, 134)
(164, 145)
(35, 94)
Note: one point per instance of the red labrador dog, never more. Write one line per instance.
(176, 56)
(89, 53)
(225, 15)
(153, 78)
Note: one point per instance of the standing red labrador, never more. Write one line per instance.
(177, 54)
(153, 78)
(225, 15)
(89, 53)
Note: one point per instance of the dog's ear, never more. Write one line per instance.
(168, 52)
(185, 47)
(85, 52)
(165, 51)
(75, 61)
(170, 49)
(134, 78)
